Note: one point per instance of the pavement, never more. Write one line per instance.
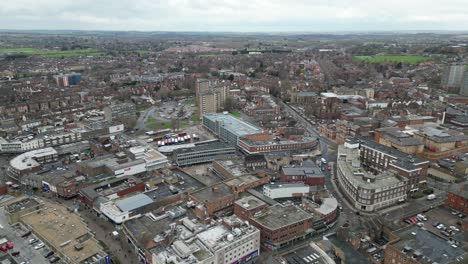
(141, 122)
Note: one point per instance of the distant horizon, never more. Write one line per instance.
(291, 32)
(236, 15)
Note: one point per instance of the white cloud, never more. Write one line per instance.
(235, 15)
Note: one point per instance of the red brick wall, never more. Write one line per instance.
(457, 202)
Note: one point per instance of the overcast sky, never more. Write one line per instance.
(235, 15)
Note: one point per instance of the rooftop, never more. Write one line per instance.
(281, 215)
(235, 125)
(250, 202)
(203, 147)
(460, 189)
(215, 192)
(308, 168)
(429, 247)
(57, 226)
(27, 160)
(133, 202)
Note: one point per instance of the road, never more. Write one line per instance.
(141, 122)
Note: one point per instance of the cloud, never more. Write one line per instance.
(235, 15)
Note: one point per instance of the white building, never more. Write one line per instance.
(232, 241)
(122, 210)
(285, 190)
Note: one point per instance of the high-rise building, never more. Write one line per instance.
(64, 80)
(464, 85)
(211, 96)
(452, 77)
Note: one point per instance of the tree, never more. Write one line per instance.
(229, 104)
(231, 77)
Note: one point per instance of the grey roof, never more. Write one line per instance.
(133, 202)
(431, 247)
(309, 169)
(460, 189)
(234, 125)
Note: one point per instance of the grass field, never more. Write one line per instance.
(408, 59)
(190, 102)
(53, 53)
(151, 123)
(235, 114)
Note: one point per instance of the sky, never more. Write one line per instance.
(235, 15)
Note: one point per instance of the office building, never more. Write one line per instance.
(367, 191)
(452, 77)
(202, 153)
(230, 129)
(65, 80)
(124, 113)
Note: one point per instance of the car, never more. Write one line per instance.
(445, 233)
(9, 245)
(54, 259)
(39, 246)
(47, 253)
(435, 224)
(32, 241)
(454, 228)
(407, 221)
(440, 226)
(420, 224)
(3, 248)
(15, 253)
(454, 212)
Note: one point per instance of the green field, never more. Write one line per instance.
(53, 53)
(409, 59)
(235, 114)
(151, 123)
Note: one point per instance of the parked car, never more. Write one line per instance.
(4, 248)
(54, 259)
(32, 241)
(454, 228)
(9, 245)
(420, 224)
(39, 246)
(47, 253)
(15, 253)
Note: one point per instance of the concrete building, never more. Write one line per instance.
(65, 80)
(230, 129)
(378, 158)
(30, 162)
(69, 237)
(203, 152)
(121, 210)
(230, 241)
(251, 147)
(279, 224)
(414, 245)
(285, 190)
(452, 77)
(210, 95)
(457, 197)
(124, 113)
(367, 191)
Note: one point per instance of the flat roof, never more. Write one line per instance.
(233, 124)
(56, 225)
(308, 168)
(28, 159)
(133, 202)
(214, 145)
(432, 248)
(250, 202)
(280, 215)
(214, 192)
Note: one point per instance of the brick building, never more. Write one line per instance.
(307, 173)
(457, 197)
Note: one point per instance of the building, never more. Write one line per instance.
(211, 200)
(415, 245)
(365, 190)
(464, 85)
(210, 95)
(111, 189)
(308, 173)
(230, 129)
(452, 77)
(395, 138)
(457, 197)
(285, 190)
(379, 158)
(124, 113)
(203, 152)
(250, 147)
(65, 80)
(256, 161)
(30, 162)
(121, 210)
(69, 237)
(328, 209)
(279, 224)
